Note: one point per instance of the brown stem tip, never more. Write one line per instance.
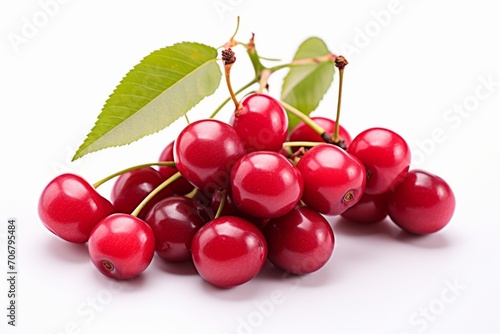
(341, 62)
(228, 56)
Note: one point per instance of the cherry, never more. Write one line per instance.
(132, 187)
(422, 203)
(174, 221)
(303, 132)
(261, 123)
(205, 152)
(369, 209)
(299, 242)
(333, 179)
(265, 184)
(121, 246)
(180, 186)
(229, 251)
(385, 155)
(70, 207)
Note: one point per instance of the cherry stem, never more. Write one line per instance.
(231, 41)
(221, 204)
(152, 194)
(255, 58)
(340, 62)
(228, 59)
(329, 57)
(263, 84)
(192, 193)
(129, 169)
(219, 108)
(303, 117)
(302, 143)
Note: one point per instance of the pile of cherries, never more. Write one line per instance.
(230, 195)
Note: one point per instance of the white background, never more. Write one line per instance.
(410, 70)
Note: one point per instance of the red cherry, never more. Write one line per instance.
(180, 186)
(174, 221)
(229, 251)
(422, 203)
(265, 185)
(205, 152)
(121, 246)
(132, 187)
(385, 155)
(300, 242)
(303, 132)
(70, 207)
(262, 123)
(333, 179)
(369, 209)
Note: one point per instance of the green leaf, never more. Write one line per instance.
(305, 85)
(164, 86)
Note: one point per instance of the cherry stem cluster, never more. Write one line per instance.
(263, 73)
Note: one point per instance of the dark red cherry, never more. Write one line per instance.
(229, 251)
(262, 123)
(303, 132)
(385, 155)
(422, 203)
(204, 153)
(174, 221)
(132, 187)
(121, 246)
(265, 185)
(299, 242)
(333, 179)
(70, 207)
(180, 186)
(369, 209)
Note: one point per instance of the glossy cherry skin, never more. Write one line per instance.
(175, 221)
(299, 242)
(262, 123)
(121, 246)
(385, 155)
(422, 203)
(333, 179)
(303, 132)
(180, 186)
(132, 187)
(205, 151)
(266, 185)
(70, 207)
(229, 251)
(369, 209)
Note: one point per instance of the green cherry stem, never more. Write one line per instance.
(221, 204)
(231, 41)
(129, 169)
(301, 143)
(329, 57)
(306, 119)
(340, 62)
(152, 194)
